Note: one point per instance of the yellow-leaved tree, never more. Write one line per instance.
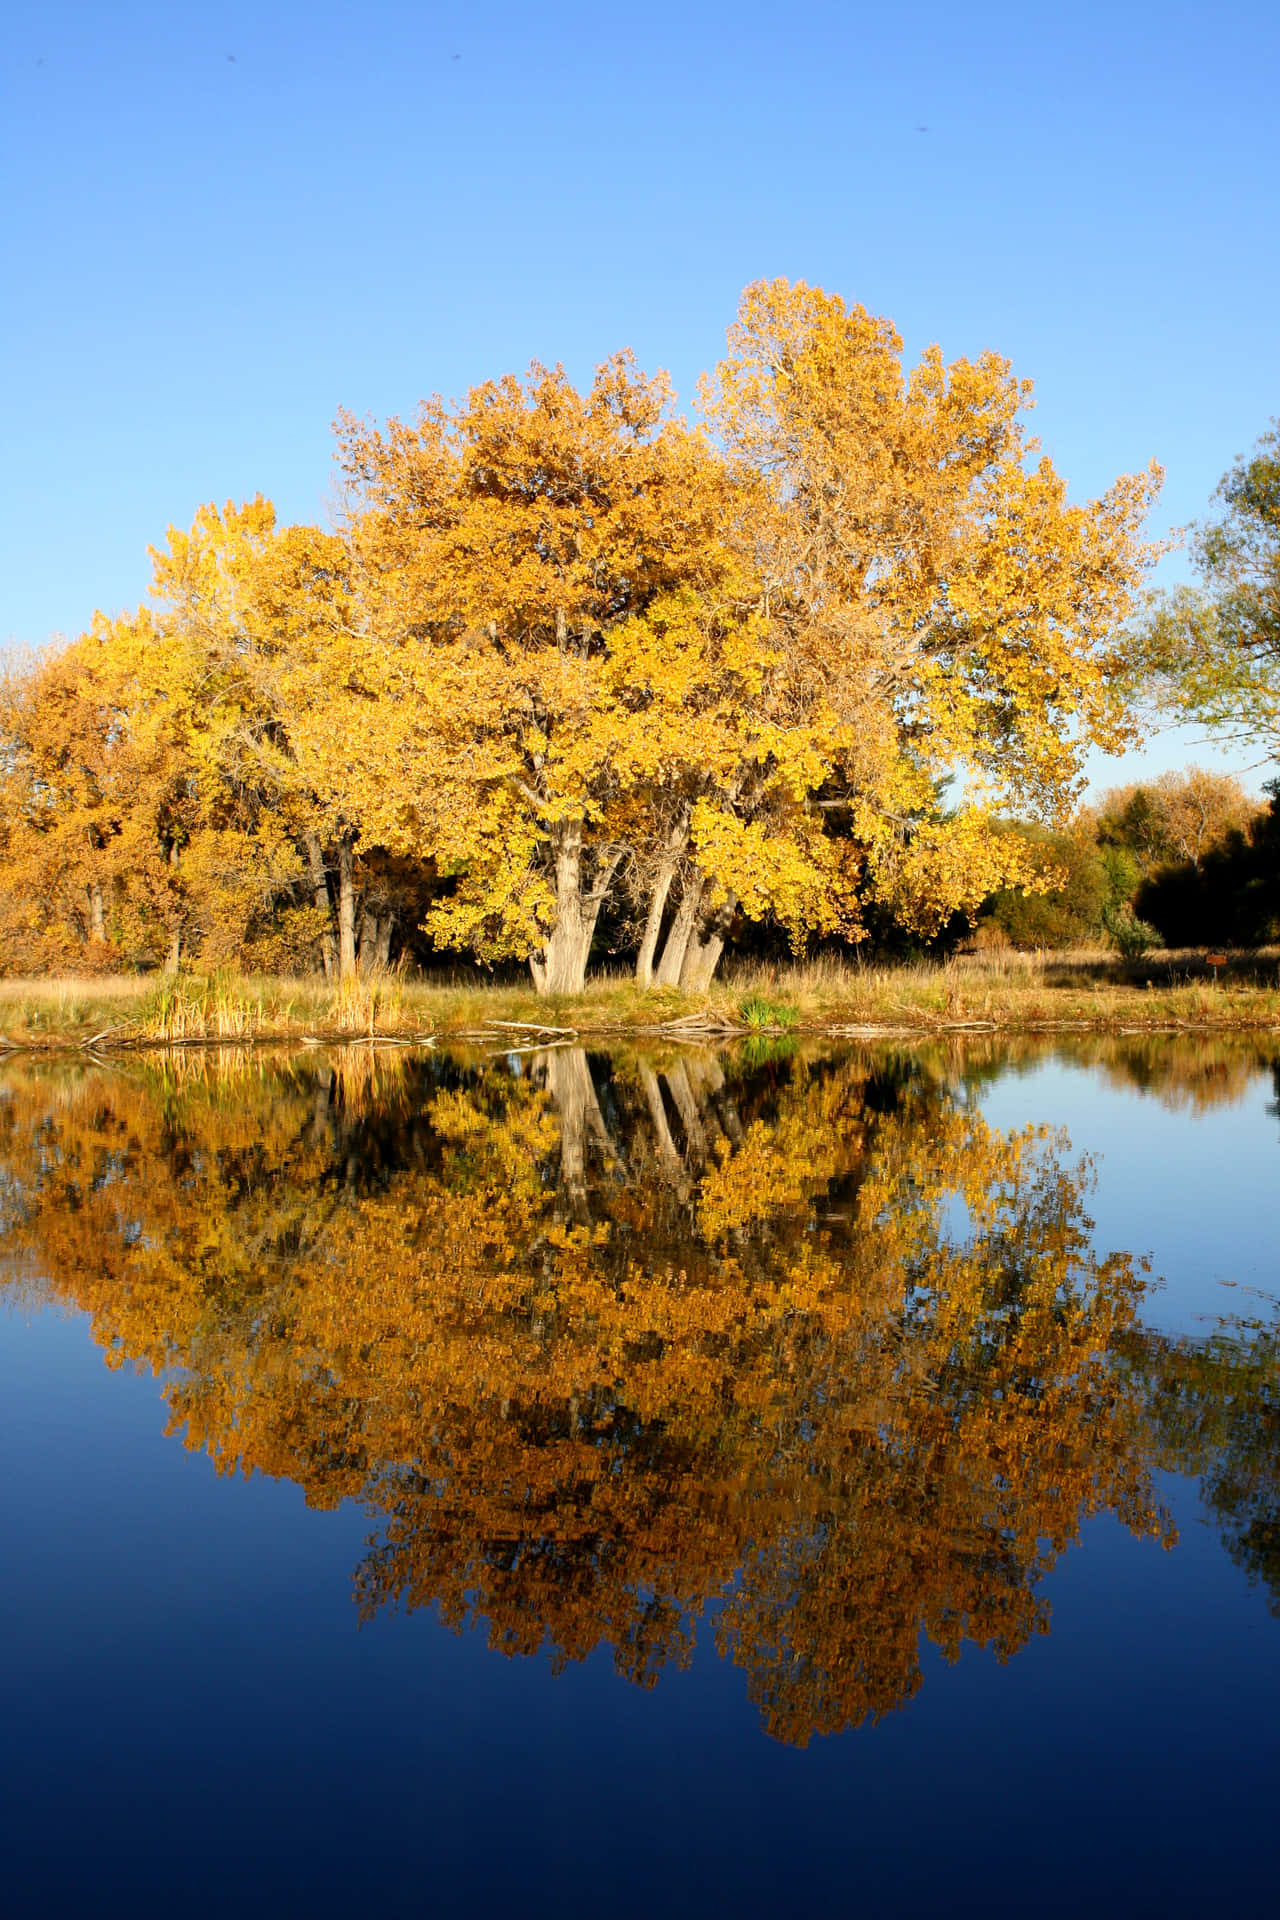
(66, 784)
(561, 648)
(940, 608)
(502, 552)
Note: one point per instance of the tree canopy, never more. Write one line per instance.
(562, 651)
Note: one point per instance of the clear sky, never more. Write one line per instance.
(222, 223)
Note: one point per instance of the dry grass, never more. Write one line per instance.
(1026, 992)
(32, 1010)
(1002, 991)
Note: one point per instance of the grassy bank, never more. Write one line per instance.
(1014, 993)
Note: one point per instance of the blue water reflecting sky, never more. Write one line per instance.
(1197, 1190)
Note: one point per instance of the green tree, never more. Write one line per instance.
(1211, 652)
(1068, 913)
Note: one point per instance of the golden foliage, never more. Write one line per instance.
(560, 641)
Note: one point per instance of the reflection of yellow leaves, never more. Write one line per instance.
(850, 1367)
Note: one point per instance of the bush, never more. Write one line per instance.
(989, 936)
(1066, 916)
(1131, 936)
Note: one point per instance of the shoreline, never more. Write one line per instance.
(116, 1018)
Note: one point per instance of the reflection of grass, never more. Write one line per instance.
(1011, 992)
(759, 1049)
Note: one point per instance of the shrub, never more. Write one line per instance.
(1131, 936)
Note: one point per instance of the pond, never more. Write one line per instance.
(706, 1480)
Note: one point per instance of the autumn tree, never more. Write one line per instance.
(65, 790)
(1219, 885)
(548, 611)
(941, 607)
(734, 681)
(1177, 818)
(240, 599)
(242, 841)
(100, 798)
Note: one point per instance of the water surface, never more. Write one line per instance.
(676, 1482)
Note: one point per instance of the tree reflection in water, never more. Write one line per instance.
(600, 1341)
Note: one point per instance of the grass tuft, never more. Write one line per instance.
(761, 1014)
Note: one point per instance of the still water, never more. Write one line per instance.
(697, 1482)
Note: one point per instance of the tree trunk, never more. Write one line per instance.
(175, 939)
(368, 959)
(676, 843)
(670, 966)
(382, 952)
(320, 890)
(702, 954)
(562, 967)
(346, 908)
(97, 918)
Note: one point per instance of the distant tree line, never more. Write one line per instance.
(1191, 859)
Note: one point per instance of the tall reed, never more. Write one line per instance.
(189, 1007)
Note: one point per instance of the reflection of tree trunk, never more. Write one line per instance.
(676, 842)
(346, 907)
(320, 1104)
(577, 1109)
(609, 1148)
(320, 893)
(682, 1093)
(668, 1154)
(702, 954)
(705, 1072)
(667, 973)
(709, 1083)
(562, 967)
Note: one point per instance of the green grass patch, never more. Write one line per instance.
(762, 1015)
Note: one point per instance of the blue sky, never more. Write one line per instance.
(221, 224)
